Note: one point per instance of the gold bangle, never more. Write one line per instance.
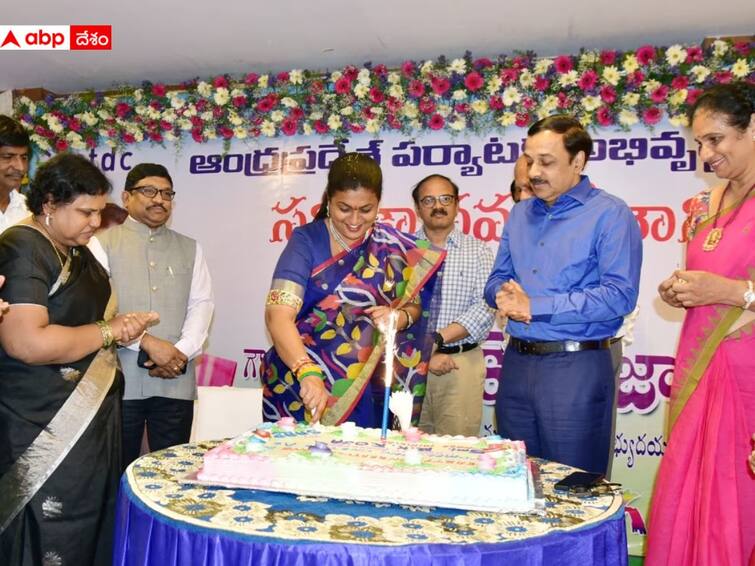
(107, 333)
(301, 362)
(283, 297)
(409, 318)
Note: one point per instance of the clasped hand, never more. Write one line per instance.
(129, 327)
(693, 289)
(513, 302)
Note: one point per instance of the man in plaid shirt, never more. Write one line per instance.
(453, 402)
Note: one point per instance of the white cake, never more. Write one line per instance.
(348, 462)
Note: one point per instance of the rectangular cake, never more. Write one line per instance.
(348, 462)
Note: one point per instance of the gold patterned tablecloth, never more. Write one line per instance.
(156, 482)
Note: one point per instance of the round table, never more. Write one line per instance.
(164, 520)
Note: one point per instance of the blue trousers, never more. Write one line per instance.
(561, 405)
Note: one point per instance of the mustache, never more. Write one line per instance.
(536, 180)
(438, 212)
(161, 207)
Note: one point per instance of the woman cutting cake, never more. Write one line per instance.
(339, 278)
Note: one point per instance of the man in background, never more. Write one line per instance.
(15, 152)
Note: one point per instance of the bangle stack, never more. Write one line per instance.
(308, 370)
(409, 318)
(107, 333)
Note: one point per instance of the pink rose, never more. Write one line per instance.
(128, 138)
(158, 90)
(563, 100)
(91, 143)
(608, 94)
(529, 103)
(316, 87)
(156, 137)
(440, 85)
(380, 70)
(482, 63)
(296, 113)
(541, 83)
(509, 75)
(238, 101)
(350, 73)
(122, 109)
(393, 104)
(343, 85)
(196, 135)
(407, 68)
(518, 62)
(496, 103)
(165, 125)
(588, 80)
(376, 95)
(604, 116)
(220, 82)
(635, 78)
(474, 81)
(201, 105)
(416, 88)
(394, 122)
(196, 122)
(680, 82)
(282, 77)
(645, 54)
(659, 95)
(723, 77)
(74, 125)
(652, 115)
(563, 64)
(320, 127)
(61, 145)
(608, 57)
(692, 95)
(742, 48)
(251, 79)
(694, 54)
(289, 126)
(356, 128)
(461, 107)
(436, 122)
(522, 119)
(427, 105)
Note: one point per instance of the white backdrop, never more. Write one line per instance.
(242, 205)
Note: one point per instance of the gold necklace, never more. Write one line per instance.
(716, 234)
(41, 229)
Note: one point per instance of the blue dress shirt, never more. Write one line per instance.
(578, 261)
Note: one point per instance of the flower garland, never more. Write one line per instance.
(602, 88)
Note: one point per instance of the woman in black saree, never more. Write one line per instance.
(60, 390)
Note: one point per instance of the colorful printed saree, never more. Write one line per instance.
(388, 268)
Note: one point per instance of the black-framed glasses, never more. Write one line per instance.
(151, 192)
(444, 200)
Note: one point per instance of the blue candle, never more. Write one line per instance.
(384, 432)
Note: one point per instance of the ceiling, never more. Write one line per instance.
(171, 41)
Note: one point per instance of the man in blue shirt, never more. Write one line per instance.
(566, 273)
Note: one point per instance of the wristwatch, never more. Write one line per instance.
(749, 296)
(438, 339)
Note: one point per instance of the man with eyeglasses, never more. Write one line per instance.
(14, 164)
(456, 377)
(156, 268)
(566, 273)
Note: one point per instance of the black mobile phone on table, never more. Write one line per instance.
(579, 482)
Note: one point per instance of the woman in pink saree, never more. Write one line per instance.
(703, 509)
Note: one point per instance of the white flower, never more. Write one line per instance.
(427, 67)
(177, 102)
(720, 48)
(511, 95)
(335, 75)
(630, 63)
(459, 94)
(628, 118)
(377, 110)
(138, 95)
(170, 136)
(678, 97)
(334, 122)
(480, 106)
(415, 125)
(88, 118)
(458, 123)
(235, 119)
(184, 124)
(526, 79)
(394, 78)
(207, 116)
(701, 73)
(237, 92)
(611, 75)
(740, 69)
(373, 126)
(347, 111)
(263, 81)
(42, 143)
(191, 110)
(103, 133)
(630, 99)
(591, 103)
(675, 54)
(585, 119)
(396, 91)
(307, 129)
(204, 89)
(221, 96)
(507, 119)
(550, 103)
(650, 86)
(54, 124)
(494, 84)
(410, 110)
(360, 90)
(317, 115)
(296, 76)
(141, 110)
(75, 138)
(277, 115)
(138, 135)
(568, 79)
(267, 128)
(109, 143)
(588, 58)
(153, 113)
(364, 76)
(444, 110)
(209, 133)
(541, 66)
(543, 113)
(458, 66)
(289, 102)
(240, 133)
(679, 120)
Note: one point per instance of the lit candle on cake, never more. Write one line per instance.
(389, 338)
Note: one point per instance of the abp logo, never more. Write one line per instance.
(59, 38)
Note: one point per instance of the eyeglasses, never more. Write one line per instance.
(151, 192)
(444, 200)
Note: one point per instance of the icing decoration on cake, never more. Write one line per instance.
(412, 434)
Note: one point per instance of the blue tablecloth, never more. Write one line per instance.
(162, 520)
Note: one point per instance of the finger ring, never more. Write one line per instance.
(176, 368)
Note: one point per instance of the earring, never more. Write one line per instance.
(47, 220)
